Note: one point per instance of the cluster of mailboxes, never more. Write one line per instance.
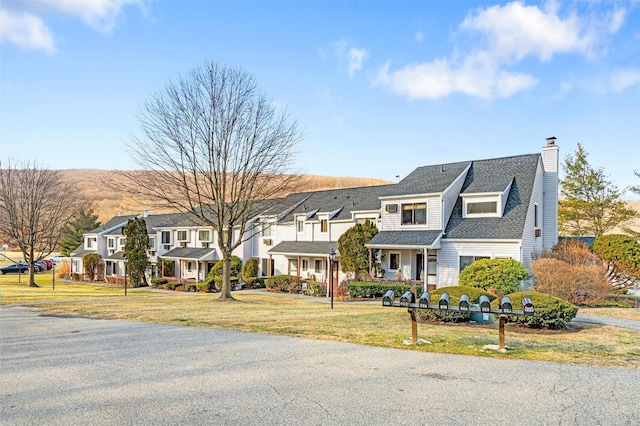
(484, 304)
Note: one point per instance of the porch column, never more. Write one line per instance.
(298, 267)
(424, 268)
(370, 261)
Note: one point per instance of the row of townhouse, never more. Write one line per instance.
(432, 224)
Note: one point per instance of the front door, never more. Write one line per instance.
(419, 265)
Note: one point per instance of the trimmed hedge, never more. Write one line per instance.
(159, 281)
(284, 283)
(550, 312)
(316, 289)
(369, 290)
(454, 298)
(502, 274)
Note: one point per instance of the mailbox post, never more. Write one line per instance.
(332, 256)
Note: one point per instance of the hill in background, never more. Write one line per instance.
(107, 203)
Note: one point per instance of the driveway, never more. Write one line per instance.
(78, 371)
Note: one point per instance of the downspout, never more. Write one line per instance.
(425, 261)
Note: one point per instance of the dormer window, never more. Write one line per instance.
(482, 207)
(300, 226)
(414, 214)
(324, 225)
(487, 205)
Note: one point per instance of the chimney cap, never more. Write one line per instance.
(551, 140)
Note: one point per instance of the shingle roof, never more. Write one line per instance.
(403, 238)
(119, 255)
(490, 176)
(317, 248)
(427, 179)
(81, 252)
(343, 201)
(191, 253)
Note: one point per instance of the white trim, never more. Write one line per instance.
(405, 196)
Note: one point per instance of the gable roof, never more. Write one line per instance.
(491, 176)
(337, 203)
(427, 179)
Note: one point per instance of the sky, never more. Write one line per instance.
(379, 87)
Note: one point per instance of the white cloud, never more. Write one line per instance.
(623, 79)
(419, 36)
(26, 19)
(501, 37)
(356, 57)
(25, 31)
(353, 56)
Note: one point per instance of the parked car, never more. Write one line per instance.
(43, 266)
(48, 263)
(57, 259)
(16, 268)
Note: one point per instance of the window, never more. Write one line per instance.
(91, 242)
(300, 226)
(305, 264)
(182, 236)
(111, 242)
(414, 214)
(482, 207)
(189, 266)
(468, 260)
(535, 215)
(324, 225)
(122, 242)
(152, 243)
(318, 265)
(394, 261)
(204, 235)
(266, 230)
(165, 237)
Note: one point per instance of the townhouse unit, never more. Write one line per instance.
(432, 224)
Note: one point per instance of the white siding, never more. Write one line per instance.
(550, 202)
(392, 221)
(450, 196)
(450, 252)
(530, 243)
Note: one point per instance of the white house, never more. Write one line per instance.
(432, 224)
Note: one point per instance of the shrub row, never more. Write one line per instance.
(551, 312)
(284, 283)
(368, 290)
(454, 293)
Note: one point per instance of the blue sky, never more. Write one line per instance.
(379, 87)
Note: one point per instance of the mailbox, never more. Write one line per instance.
(443, 303)
(463, 306)
(387, 300)
(527, 306)
(505, 305)
(485, 304)
(424, 300)
(407, 298)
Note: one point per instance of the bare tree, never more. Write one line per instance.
(213, 146)
(35, 206)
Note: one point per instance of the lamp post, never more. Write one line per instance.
(125, 274)
(332, 256)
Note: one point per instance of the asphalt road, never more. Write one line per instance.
(77, 371)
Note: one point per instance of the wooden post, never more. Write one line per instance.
(502, 321)
(414, 326)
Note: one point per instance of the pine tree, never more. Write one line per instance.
(590, 204)
(135, 250)
(73, 233)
